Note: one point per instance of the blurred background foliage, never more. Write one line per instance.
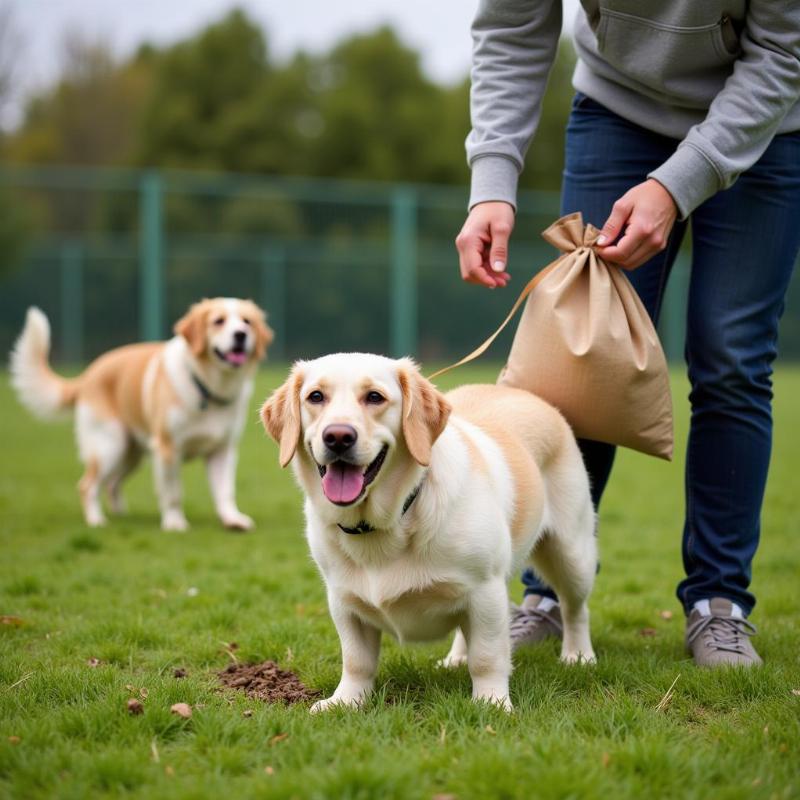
(218, 100)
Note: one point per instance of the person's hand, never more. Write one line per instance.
(646, 214)
(483, 244)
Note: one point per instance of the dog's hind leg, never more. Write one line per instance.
(566, 556)
(458, 652)
(103, 445)
(131, 459)
(569, 568)
(221, 468)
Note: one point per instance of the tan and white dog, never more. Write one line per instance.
(180, 399)
(420, 506)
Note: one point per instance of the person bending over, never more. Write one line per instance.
(682, 110)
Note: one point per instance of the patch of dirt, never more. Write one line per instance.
(266, 681)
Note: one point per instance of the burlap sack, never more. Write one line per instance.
(586, 344)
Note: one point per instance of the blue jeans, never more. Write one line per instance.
(745, 241)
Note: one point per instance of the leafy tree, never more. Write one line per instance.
(380, 114)
(199, 112)
(89, 116)
(14, 223)
(216, 100)
(9, 53)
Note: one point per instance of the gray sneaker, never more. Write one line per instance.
(530, 624)
(722, 638)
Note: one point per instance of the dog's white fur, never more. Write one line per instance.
(501, 481)
(143, 397)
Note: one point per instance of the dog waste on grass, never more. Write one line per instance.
(266, 681)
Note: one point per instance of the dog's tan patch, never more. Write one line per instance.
(473, 452)
(112, 385)
(479, 405)
(130, 392)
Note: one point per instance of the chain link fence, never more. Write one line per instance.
(115, 256)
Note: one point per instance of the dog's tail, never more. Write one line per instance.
(39, 389)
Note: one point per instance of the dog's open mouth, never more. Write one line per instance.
(236, 356)
(345, 483)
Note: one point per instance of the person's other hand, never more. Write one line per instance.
(483, 244)
(645, 216)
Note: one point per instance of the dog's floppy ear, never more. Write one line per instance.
(192, 326)
(264, 334)
(425, 412)
(281, 416)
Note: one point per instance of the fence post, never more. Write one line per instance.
(72, 302)
(151, 279)
(673, 319)
(273, 297)
(403, 288)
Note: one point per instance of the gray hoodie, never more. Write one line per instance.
(720, 76)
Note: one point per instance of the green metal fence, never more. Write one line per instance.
(116, 255)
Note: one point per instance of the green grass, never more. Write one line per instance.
(122, 595)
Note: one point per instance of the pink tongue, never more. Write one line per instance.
(342, 483)
(236, 358)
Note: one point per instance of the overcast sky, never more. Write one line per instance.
(438, 29)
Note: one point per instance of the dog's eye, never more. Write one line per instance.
(219, 321)
(316, 397)
(245, 320)
(375, 398)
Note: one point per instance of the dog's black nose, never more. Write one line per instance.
(339, 438)
(239, 337)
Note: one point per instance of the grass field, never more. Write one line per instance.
(145, 602)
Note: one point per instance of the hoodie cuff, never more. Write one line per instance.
(690, 177)
(494, 178)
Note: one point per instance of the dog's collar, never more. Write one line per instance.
(365, 527)
(362, 527)
(207, 397)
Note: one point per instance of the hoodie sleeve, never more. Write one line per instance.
(745, 115)
(514, 46)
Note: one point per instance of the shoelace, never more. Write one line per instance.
(722, 633)
(525, 618)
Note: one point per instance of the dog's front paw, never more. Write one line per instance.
(236, 521)
(332, 702)
(95, 519)
(504, 703)
(174, 521)
(501, 701)
(579, 657)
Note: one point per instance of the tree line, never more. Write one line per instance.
(220, 100)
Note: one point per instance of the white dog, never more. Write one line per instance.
(417, 516)
(178, 399)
